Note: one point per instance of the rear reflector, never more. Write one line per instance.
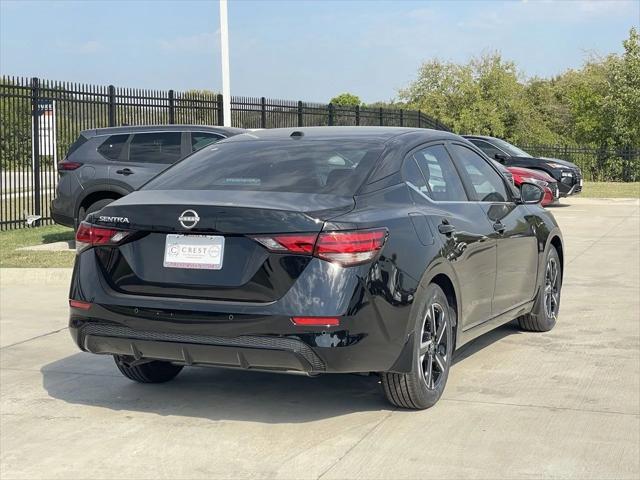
(79, 304)
(68, 166)
(90, 235)
(346, 248)
(316, 321)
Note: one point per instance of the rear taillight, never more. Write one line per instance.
(66, 166)
(346, 248)
(89, 235)
(350, 248)
(294, 243)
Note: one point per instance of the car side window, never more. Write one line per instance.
(158, 147)
(201, 139)
(487, 184)
(488, 149)
(112, 147)
(413, 175)
(443, 181)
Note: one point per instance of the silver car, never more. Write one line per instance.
(105, 164)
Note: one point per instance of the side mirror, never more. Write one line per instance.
(500, 157)
(530, 193)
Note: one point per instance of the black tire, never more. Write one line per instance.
(417, 390)
(150, 372)
(545, 311)
(94, 207)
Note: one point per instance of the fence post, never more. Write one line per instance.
(401, 118)
(35, 143)
(300, 122)
(330, 122)
(112, 106)
(263, 112)
(220, 109)
(172, 113)
(381, 119)
(419, 119)
(358, 115)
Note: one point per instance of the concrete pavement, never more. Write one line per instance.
(564, 404)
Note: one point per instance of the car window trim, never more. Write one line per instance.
(411, 153)
(466, 181)
(185, 144)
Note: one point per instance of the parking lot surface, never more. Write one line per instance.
(563, 404)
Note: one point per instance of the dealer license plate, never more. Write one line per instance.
(194, 251)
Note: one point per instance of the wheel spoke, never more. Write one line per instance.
(432, 320)
(440, 331)
(440, 361)
(429, 370)
(547, 304)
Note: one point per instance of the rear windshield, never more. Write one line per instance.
(335, 167)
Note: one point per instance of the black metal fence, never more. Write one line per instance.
(55, 112)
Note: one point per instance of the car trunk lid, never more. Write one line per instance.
(249, 272)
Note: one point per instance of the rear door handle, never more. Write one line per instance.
(446, 228)
(499, 227)
(125, 171)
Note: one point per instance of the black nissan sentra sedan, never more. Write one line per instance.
(316, 250)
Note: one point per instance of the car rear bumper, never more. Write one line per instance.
(247, 352)
(310, 352)
(62, 219)
(370, 337)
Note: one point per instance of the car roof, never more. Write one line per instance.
(381, 134)
(161, 128)
(481, 137)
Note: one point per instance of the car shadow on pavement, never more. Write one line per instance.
(214, 393)
(226, 394)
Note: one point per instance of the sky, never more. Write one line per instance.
(298, 50)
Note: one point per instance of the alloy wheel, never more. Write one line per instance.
(551, 288)
(433, 345)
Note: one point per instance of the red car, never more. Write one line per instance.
(547, 182)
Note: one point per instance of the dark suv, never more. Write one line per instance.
(567, 174)
(105, 164)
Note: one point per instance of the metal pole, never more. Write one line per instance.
(172, 107)
(224, 50)
(35, 136)
(112, 106)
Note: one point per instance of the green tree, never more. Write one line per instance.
(623, 101)
(483, 96)
(346, 100)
